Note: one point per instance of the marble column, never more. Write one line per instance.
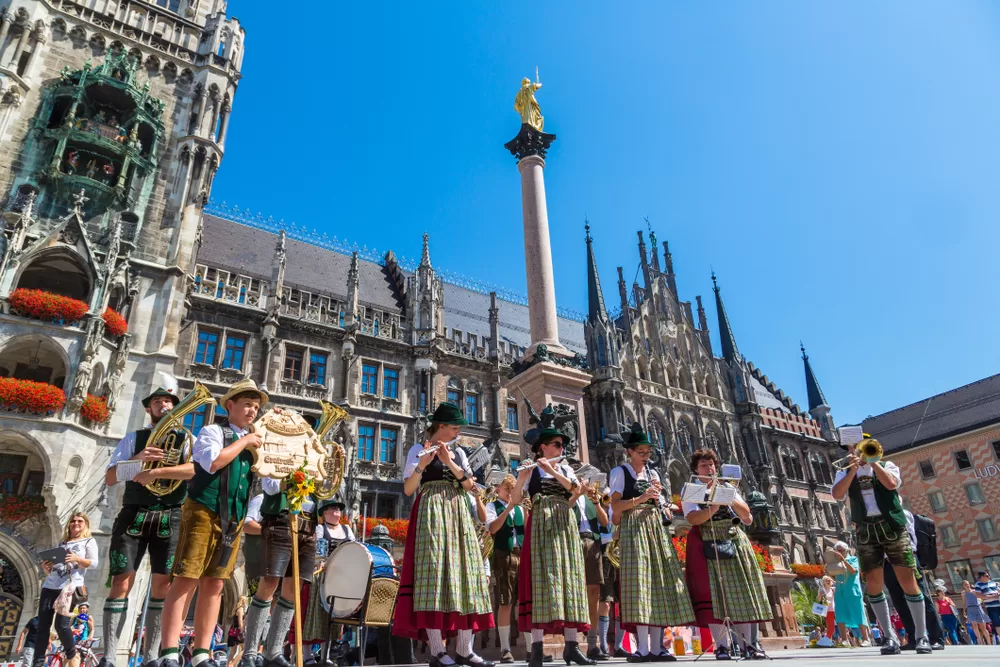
(529, 147)
(22, 43)
(5, 24)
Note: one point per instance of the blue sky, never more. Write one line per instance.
(836, 163)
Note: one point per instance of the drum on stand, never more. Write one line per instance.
(348, 573)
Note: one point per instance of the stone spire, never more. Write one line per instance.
(596, 311)
(652, 244)
(644, 259)
(729, 350)
(668, 267)
(425, 254)
(277, 270)
(703, 325)
(622, 291)
(818, 408)
(353, 281)
(494, 326)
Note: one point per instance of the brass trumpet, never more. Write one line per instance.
(869, 450)
(598, 498)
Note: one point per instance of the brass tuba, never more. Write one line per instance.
(176, 450)
(613, 552)
(485, 542)
(335, 463)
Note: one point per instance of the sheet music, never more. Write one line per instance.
(851, 435)
(693, 492)
(495, 477)
(723, 494)
(125, 471)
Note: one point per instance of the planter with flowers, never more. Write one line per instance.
(46, 306)
(807, 570)
(27, 396)
(114, 323)
(95, 409)
(764, 560)
(14, 508)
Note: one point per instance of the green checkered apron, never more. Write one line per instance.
(653, 591)
(448, 573)
(742, 580)
(559, 585)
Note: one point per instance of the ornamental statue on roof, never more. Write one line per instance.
(526, 104)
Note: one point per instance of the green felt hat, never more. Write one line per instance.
(449, 414)
(547, 433)
(160, 391)
(637, 437)
(331, 502)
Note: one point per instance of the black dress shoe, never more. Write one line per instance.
(923, 646)
(635, 657)
(662, 656)
(908, 646)
(597, 654)
(890, 647)
(547, 658)
(258, 660)
(937, 646)
(473, 660)
(169, 662)
(247, 660)
(280, 661)
(572, 653)
(435, 660)
(722, 653)
(620, 653)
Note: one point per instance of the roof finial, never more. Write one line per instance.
(586, 225)
(425, 254)
(715, 284)
(803, 348)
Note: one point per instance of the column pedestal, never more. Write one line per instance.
(545, 383)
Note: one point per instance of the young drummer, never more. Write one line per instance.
(506, 523)
(552, 593)
(146, 523)
(652, 585)
(212, 522)
(442, 588)
(278, 568)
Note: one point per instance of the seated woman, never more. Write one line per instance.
(722, 574)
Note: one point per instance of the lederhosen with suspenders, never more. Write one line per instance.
(652, 582)
(507, 552)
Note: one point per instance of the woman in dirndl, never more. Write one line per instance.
(552, 589)
(718, 529)
(653, 592)
(330, 534)
(442, 589)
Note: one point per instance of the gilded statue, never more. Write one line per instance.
(526, 104)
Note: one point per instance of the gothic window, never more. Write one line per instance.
(195, 420)
(390, 383)
(208, 342)
(317, 368)
(472, 408)
(512, 417)
(233, 356)
(387, 448)
(684, 438)
(795, 471)
(602, 359)
(369, 379)
(454, 395)
(786, 463)
(293, 364)
(711, 440)
(366, 442)
(172, 5)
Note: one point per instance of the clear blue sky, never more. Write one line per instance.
(836, 163)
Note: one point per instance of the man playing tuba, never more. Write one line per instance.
(146, 522)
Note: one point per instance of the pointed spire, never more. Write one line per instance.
(425, 254)
(816, 397)
(668, 267)
(596, 311)
(729, 351)
(494, 326)
(622, 291)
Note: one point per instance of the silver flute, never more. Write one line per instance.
(528, 466)
(433, 450)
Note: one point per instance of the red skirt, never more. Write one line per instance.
(524, 622)
(414, 624)
(696, 576)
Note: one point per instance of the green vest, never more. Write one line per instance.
(595, 525)
(278, 503)
(511, 533)
(138, 496)
(887, 501)
(204, 487)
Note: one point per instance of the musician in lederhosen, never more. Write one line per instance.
(592, 518)
(653, 593)
(718, 529)
(551, 592)
(147, 523)
(506, 523)
(330, 534)
(276, 533)
(442, 588)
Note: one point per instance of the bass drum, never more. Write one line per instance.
(348, 572)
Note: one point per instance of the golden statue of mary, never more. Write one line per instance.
(526, 104)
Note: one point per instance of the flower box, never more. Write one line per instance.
(95, 409)
(114, 323)
(807, 570)
(14, 509)
(40, 305)
(764, 560)
(28, 396)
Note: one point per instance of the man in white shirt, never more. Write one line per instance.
(880, 525)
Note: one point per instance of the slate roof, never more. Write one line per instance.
(236, 247)
(950, 413)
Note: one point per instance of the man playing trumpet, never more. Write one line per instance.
(873, 489)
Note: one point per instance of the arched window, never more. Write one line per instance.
(684, 438)
(602, 356)
(796, 466)
(57, 272)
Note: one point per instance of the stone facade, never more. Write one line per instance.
(947, 448)
(113, 118)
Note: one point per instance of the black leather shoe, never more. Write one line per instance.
(635, 657)
(890, 647)
(908, 646)
(937, 646)
(535, 659)
(572, 653)
(620, 653)
(248, 660)
(435, 660)
(107, 663)
(663, 656)
(506, 657)
(280, 661)
(169, 662)
(597, 654)
(547, 658)
(258, 660)
(722, 653)
(924, 646)
(473, 660)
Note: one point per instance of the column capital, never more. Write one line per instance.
(529, 142)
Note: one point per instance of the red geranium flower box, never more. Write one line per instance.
(28, 396)
(14, 509)
(40, 305)
(114, 323)
(95, 409)
(808, 570)
(764, 560)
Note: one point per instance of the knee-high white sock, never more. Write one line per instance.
(569, 634)
(602, 632)
(464, 643)
(619, 634)
(526, 637)
(504, 632)
(642, 639)
(656, 641)
(537, 635)
(719, 634)
(437, 647)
